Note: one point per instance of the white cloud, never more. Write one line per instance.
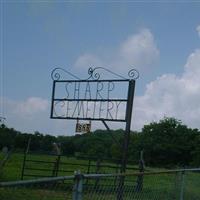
(31, 106)
(138, 51)
(198, 30)
(33, 114)
(168, 95)
(87, 60)
(171, 95)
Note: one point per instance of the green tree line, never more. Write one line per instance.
(166, 143)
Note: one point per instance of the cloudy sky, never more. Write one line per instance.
(160, 40)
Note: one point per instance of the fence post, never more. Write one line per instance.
(98, 166)
(24, 160)
(139, 184)
(56, 166)
(182, 184)
(78, 186)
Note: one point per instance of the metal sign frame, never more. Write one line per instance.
(80, 103)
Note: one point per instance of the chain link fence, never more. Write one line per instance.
(163, 185)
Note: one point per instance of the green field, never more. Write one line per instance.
(155, 186)
(13, 168)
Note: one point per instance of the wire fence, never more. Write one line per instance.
(163, 185)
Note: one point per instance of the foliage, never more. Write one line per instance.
(166, 143)
(169, 142)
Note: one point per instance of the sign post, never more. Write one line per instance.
(95, 99)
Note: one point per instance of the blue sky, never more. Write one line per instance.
(161, 40)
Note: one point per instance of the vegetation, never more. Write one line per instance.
(167, 143)
(155, 186)
(67, 166)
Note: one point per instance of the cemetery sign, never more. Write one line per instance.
(92, 98)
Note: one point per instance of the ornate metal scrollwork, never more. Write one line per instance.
(133, 74)
(55, 75)
(94, 74)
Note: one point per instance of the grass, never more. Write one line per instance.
(33, 194)
(160, 186)
(13, 168)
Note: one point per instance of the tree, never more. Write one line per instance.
(167, 143)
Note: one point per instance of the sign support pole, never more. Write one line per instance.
(108, 129)
(131, 90)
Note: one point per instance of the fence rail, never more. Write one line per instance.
(58, 165)
(181, 184)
